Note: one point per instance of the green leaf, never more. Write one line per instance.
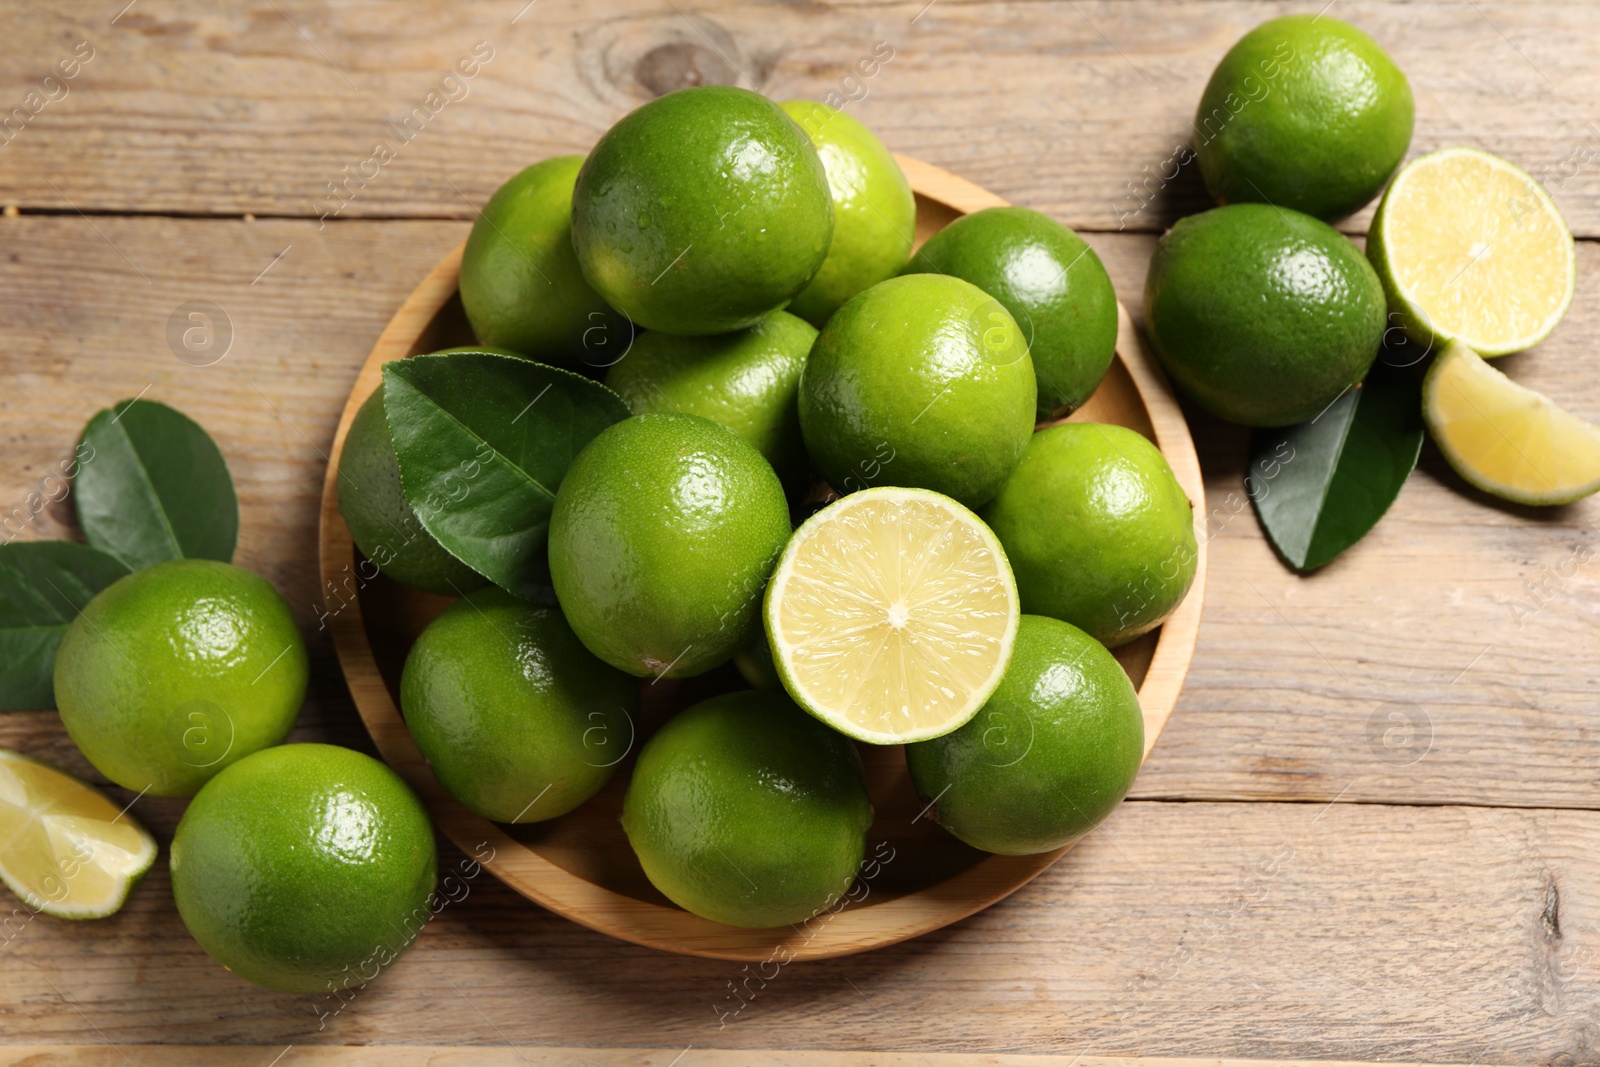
(43, 586)
(1320, 486)
(153, 486)
(484, 440)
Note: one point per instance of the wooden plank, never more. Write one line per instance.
(1263, 931)
(189, 108)
(1289, 672)
(557, 1056)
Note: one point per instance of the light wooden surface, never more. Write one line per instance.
(555, 1056)
(197, 107)
(1442, 911)
(571, 866)
(1256, 930)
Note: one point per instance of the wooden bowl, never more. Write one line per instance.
(580, 865)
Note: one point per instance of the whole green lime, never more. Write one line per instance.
(745, 810)
(1098, 531)
(921, 381)
(1264, 315)
(1050, 755)
(305, 868)
(519, 721)
(178, 670)
(702, 211)
(874, 212)
(381, 521)
(520, 282)
(747, 380)
(1050, 281)
(1305, 112)
(662, 537)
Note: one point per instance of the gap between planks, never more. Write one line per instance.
(37, 211)
(1247, 798)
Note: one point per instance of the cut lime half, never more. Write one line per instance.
(1507, 439)
(1472, 248)
(65, 849)
(892, 614)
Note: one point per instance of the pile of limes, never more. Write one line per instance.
(740, 273)
(1266, 315)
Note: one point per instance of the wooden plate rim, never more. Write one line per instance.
(851, 930)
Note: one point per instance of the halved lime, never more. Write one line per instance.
(65, 849)
(892, 614)
(1471, 248)
(1507, 439)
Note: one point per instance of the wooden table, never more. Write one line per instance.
(1296, 877)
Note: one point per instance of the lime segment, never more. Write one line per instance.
(1471, 247)
(892, 614)
(65, 849)
(1507, 439)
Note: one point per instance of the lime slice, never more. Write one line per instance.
(892, 614)
(1506, 439)
(1471, 248)
(65, 849)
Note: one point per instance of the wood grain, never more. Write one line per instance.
(1073, 106)
(1262, 931)
(556, 1056)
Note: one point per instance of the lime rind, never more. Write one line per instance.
(1504, 438)
(71, 831)
(935, 635)
(1414, 319)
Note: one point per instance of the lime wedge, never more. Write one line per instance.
(1507, 439)
(892, 614)
(1471, 248)
(65, 849)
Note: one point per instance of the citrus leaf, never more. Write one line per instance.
(153, 486)
(484, 440)
(1320, 486)
(43, 586)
